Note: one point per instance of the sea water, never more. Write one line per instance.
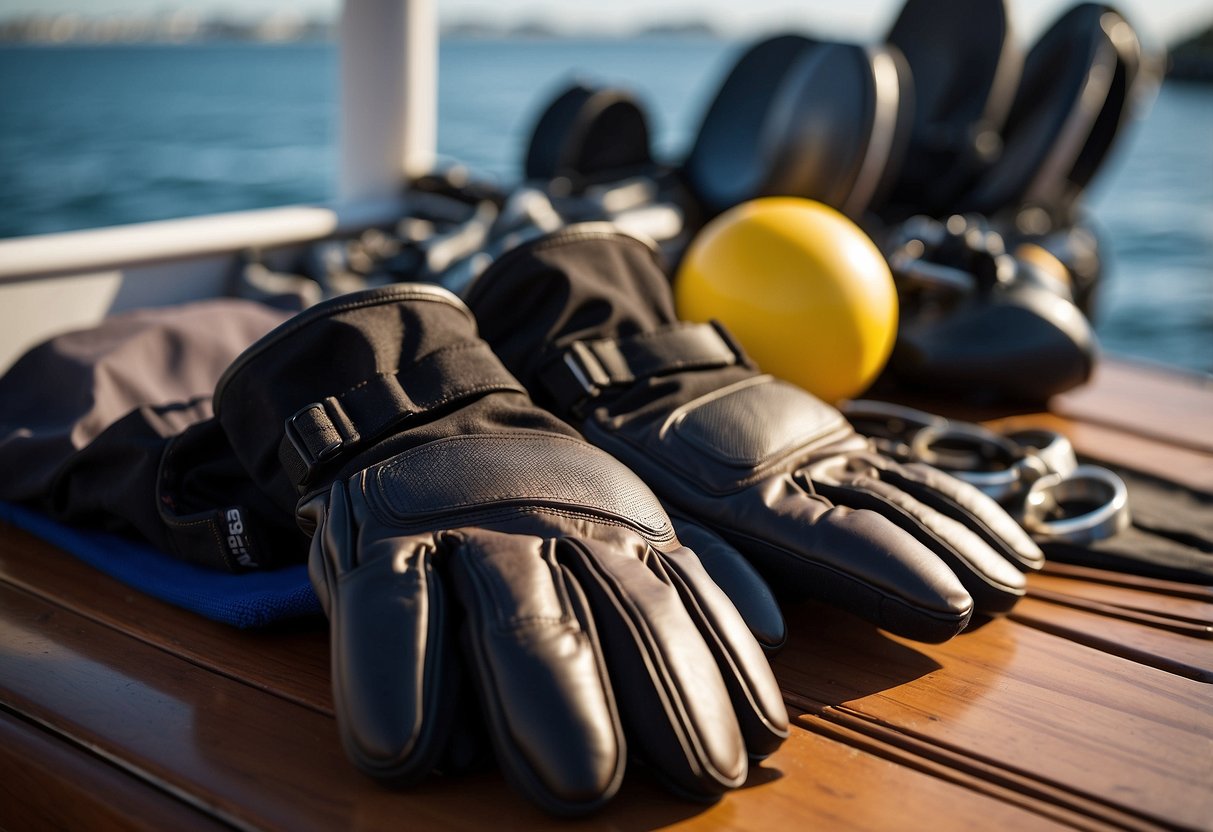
(93, 136)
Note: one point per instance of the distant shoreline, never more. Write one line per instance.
(1192, 59)
(1189, 60)
(182, 28)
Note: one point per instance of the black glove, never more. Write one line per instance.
(585, 319)
(441, 501)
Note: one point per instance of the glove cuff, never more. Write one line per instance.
(584, 282)
(598, 328)
(574, 376)
(327, 387)
(325, 432)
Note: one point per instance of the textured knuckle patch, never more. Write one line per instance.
(464, 473)
(752, 422)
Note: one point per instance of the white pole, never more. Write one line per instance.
(389, 95)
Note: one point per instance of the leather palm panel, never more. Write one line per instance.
(752, 423)
(516, 469)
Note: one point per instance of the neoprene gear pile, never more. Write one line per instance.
(946, 117)
(443, 504)
(978, 322)
(774, 471)
(123, 439)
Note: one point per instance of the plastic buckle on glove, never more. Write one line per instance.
(587, 373)
(586, 370)
(316, 439)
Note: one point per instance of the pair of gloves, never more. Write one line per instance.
(466, 541)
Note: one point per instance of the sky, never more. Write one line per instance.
(1159, 20)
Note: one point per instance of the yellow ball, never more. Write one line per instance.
(804, 291)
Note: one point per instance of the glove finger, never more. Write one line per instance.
(968, 505)
(757, 700)
(674, 703)
(731, 572)
(393, 674)
(994, 584)
(539, 671)
(856, 560)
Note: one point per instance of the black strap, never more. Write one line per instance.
(324, 432)
(585, 369)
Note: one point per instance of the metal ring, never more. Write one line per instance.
(975, 448)
(1053, 448)
(1048, 511)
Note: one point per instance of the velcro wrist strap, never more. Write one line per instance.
(323, 433)
(585, 369)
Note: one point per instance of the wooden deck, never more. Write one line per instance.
(1090, 707)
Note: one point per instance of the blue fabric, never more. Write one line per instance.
(251, 599)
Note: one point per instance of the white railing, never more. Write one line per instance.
(124, 246)
(389, 94)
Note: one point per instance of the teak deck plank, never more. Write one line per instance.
(252, 759)
(1153, 420)
(1110, 598)
(46, 783)
(1180, 653)
(1088, 727)
(1157, 587)
(1148, 401)
(60, 579)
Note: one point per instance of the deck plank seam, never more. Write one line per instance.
(204, 797)
(98, 768)
(1137, 655)
(144, 776)
(1054, 811)
(100, 757)
(1193, 592)
(1183, 625)
(981, 774)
